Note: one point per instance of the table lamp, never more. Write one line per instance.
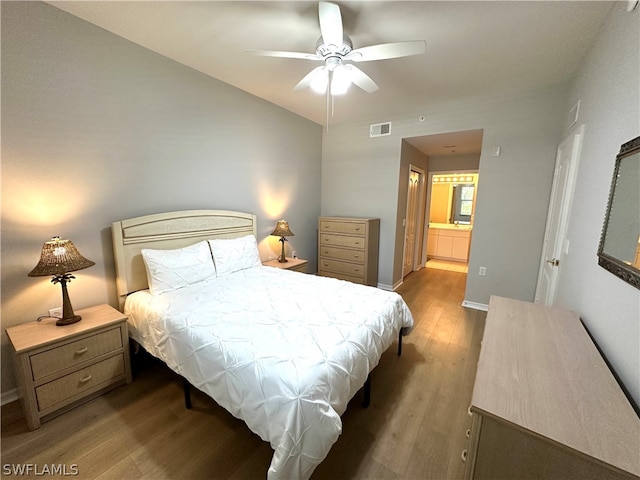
(58, 258)
(282, 231)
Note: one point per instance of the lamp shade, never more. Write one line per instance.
(59, 257)
(282, 229)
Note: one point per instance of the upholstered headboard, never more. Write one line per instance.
(165, 231)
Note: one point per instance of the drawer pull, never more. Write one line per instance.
(463, 456)
(85, 379)
(469, 411)
(82, 350)
(468, 433)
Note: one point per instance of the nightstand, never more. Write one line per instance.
(295, 264)
(58, 368)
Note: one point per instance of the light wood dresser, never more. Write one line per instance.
(60, 367)
(348, 249)
(545, 405)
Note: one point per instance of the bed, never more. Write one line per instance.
(281, 350)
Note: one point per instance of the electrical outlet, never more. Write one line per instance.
(482, 271)
(56, 312)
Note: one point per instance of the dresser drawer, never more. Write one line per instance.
(74, 353)
(327, 239)
(352, 269)
(351, 228)
(356, 256)
(75, 383)
(341, 276)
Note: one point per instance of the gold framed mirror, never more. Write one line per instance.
(619, 249)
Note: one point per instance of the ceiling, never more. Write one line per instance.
(473, 48)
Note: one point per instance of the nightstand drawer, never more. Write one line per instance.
(327, 239)
(302, 268)
(356, 256)
(351, 228)
(352, 269)
(75, 383)
(74, 353)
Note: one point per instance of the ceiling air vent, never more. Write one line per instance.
(380, 129)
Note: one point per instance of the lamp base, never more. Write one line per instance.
(68, 321)
(282, 258)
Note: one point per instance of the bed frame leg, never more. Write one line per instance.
(367, 393)
(400, 343)
(187, 393)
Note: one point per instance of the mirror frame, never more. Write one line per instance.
(614, 265)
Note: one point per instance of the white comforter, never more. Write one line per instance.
(281, 350)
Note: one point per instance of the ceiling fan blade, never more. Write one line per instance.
(275, 53)
(361, 79)
(306, 81)
(330, 23)
(387, 50)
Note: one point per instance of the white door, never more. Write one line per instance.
(412, 220)
(555, 241)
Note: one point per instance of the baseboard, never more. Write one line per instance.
(8, 397)
(476, 306)
(384, 286)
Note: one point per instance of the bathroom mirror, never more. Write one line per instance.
(619, 249)
(453, 198)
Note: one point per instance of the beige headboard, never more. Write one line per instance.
(165, 231)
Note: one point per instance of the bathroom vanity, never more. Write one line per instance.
(449, 241)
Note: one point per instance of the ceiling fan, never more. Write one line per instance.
(336, 51)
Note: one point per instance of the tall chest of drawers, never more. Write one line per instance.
(348, 249)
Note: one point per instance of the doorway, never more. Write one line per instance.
(414, 227)
(436, 153)
(451, 217)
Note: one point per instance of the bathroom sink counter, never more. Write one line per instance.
(450, 226)
(449, 242)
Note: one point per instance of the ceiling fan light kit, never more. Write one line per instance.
(335, 49)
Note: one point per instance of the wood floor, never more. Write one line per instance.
(414, 428)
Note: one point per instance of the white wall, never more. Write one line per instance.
(448, 163)
(97, 129)
(608, 87)
(360, 176)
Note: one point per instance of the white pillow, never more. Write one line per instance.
(234, 254)
(169, 270)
